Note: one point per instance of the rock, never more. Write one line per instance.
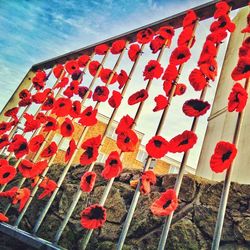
(243, 228)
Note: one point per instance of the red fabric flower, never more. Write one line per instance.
(57, 70)
(72, 89)
(7, 173)
(134, 51)
(67, 128)
(36, 142)
(24, 94)
(246, 43)
(51, 124)
(64, 81)
(145, 36)
(223, 156)
(152, 70)
(88, 117)
(48, 104)
(12, 113)
(75, 110)
(4, 141)
(113, 166)
(167, 32)
(27, 169)
(71, 66)
(19, 146)
(88, 181)
(237, 99)
(197, 80)
(209, 69)
(62, 107)
(50, 150)
(25, 102)
(157, 43)
(107, 75)
(41, 117)
(161, 102)
(222, 8)
(185, 36)
(138, 96)
(82, 91)
(189, 19)
(180, 89)
(22, 195)
(118, 46)
(180, 55)
(208, 52)
(48, 187)
(122, 78)
(244, 52)
(217, 36)
(125, 124)
(3, 162)
(247, 29)
(3, 218)
(166, 204)
(93, 67)
(93, 216)
(148, 178)
(115, 100)
(195, 107)
(83, 60)
(224, 23)
(70, 150)
(76, 75)
(4, 127)
(127, 140)
(39, 80)
(101, 49)
(242, 70)
(101, 94)
(170, 73)
(31, 123)
(157, 147)
(40, 97)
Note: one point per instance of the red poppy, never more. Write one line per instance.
(82, 91)
(48, 187)
(67, 128)
(195, 107)
(138, 96)
(237, 99)
(166, 204)
(19, 146)
(57, 70)
(180, 55)
(4, 127)
(161, 102)
(223, 156)
(88, 181)
(122, 78)
(170, 73)
(93, 216)
(101, 49)
(148, 178)
(118, 46)
(31, 123)
(157, 146)
(12, 113)
(182, 142)
(50, 150)
(125, 124)
(167, 32)
(108, 76)
(224, 23)
(62, 107)
(4, 141)
(3, 218)
(115, 100)
(22, 195)
(24, 102)
(217, 36)
(39, 80)
(71, 66)
(40, 97)
(83, 60)
(70, 150)
(189, 19)
(134, 51)
(247, 29)
(197, 80)
(7, 173)
(3, 162)
(113, 166)
(51, 124)
(145, 36)
(152, 70)
(41, 117)
(93, 67)
(76, 74)
(208, 52)
(101, 94)
(36, 142)
(244, 52)
(88, 117)
(185, 36)
(222, 8)
(157, 43)
(9, 193)
(127, 140)
(72, 89)
(48, 104)
(180, 89)
(209, 69)
(24, 94)
(64, 81)
(246, 42)
(75, 110)
(242, 70)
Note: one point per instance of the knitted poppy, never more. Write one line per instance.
(217, 36)
(4, 141)
(101, 94)
(208, 52)
(237, 99)
(134, 51)
(247, 29)
(64, 81)
(197, 80)
(39, 80)
(122, 78)
(244, 51)
(48, 104)
(72, 89)
(125, 124)
(7, 173)
(62, 107)
(148, 178)
(107, 75)
(180, 89)
(24, 102)
(12, 113)
(24, 94)
(127, 140)
(113, 166)
(145, 36)
(209, 69)
(88, 181)
(157, 43)
(161, 102)
(180, 55)
(246, 42)
(31, 123)
(36, 142)
(82, 91)
(93, 216)
(138, 96)
(189, 19)
(83, 60)
(115, 100)
(76, 74)
(152, 70)
(19, 146)
(41, 117)
(222, 8)
(182, 142)
(67, 128)
(101, 49)
(118, 46)
(70, 150)
(48, 187)
(224, 23)
(223, 156)
(50, 150)
(57, 70)
(93, 67)
(3, 218)
(40, 97)
(22, 195)
(51, 124)
(167, 32)
(3, 162)
(9, 193)
(157, 146)
(170, 73)
(88, 117)
(195, 107)
(4, 127)
(185, 36)
(27, 169)
(242, 70)
(71, 66)
(166, 204)
(75, 110)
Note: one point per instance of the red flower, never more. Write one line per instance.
(82, 91)
(101, 94)
(50, 150)
(247, 29)
(4, 141)
(76, 74)
(145, 36)
(161, 102)
(24, 94)
(72, 89)
(157, 43)
(195, 107)
(166, 204)
(22, 195)
(127, 140)
(7, 173)
(167, 32)
(36, 142)
(189, 19)
(62, 107)
(51, 124)
(70, 150)
(244, 52)
(88, 181)
(217, 36)
(170, 73)
(223, 156)
(12, 113)
(224, 23)
(113, 166)
(185, 36)
(180, 89)
(41, 117)
(93, 216)
(3, 218)
(40, 97)
(4, 127)
(182, 142)
(138, 96)
(118, 46)
(75, 111)
(48, 104)
(19, 146)
(93, 67)
(31, 123)
(222, 8)
(27, 169)
(246, 42)
(25, 102)
(39, 80)
(57, 70)
(71, 66)
(148, 178)
(48, 187)
(180, 55)
(157, 146)
(197, 80)
(209, 69)
(3, 162)
(242, 70)
(106, 74)
(101, 49)
(134, 51)
(237, 99)
(208, 52)
(152, 70)
(83, 60)
(115, 100)
(122, 78)
(88, 117)
(64, 81)
(125, 124)
(67, 128)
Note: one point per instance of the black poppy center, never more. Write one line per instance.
(26, 167)
(113, 162)
(211, 68)
(157, 143)
(184, 142)
(181, 56)
(197, 105)
(61, 104)
(68, 127)
(49, 124)
(99, 91)
(246, 68)
(127, 140)
(2, 140)
(73, 67)
(88, 113)
(96, 213)
(151, 68)
(167, 203)
(223, 24)
(140, 95)
(6, 175)
(50, 150)
(88, 179)
(89, 152)
(49, 101)
(23, 146)
(3, 127)
(226, 155)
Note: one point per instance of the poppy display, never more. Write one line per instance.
(88, 117)
(19, 146)
(93, 67)
(180, 89)
(51, 124)
(72, 89)
(126, 123)
(4, 141)
(138, 96)
(217, 36)
(88, 181)
(222, 8)
(62, 107)
(180, 55)
(223, 156)
(237, 99)
(157, 43)
(134, 51)
(115, 100)
(48, 104)
(24, 94)
(83, 90)
(197, 80)
(189, 19)
(224, 23)
(101, 94)
(70, 150)
(185, 36)
(101, 49)
(93, 216)
(122, 78)
(12, 113)
(167, 32)
(50, 150)
(24, 102)
(63, 83)
(145, 36)
(157, 147)
(67, 128)
(127, 140)
(71, 66)
(166, 204)
(3, 218)
(195, 107)
(40, 97)
(41, 117)
(118, 46)
(148, 178)
(242, 70)
(31, 123)
(36, 142)
(152, 70)
(48, 187)
(83, 60)
(113, 166)
(161, 102)
(4, 127)
(75, 110)
(39, 80)
(57, 70)
(208, 52)
(7, 173)
(108, 76)
(209, 69)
